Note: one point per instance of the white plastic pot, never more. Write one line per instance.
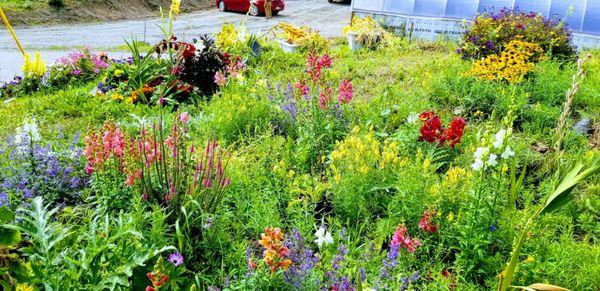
(288, 47)
(352, 43)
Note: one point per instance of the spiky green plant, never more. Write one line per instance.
(560, 196)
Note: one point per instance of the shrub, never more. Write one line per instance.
(491, 34)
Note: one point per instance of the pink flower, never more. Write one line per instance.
(184, 117)
(345, 92)
(220, 79)
(89, 170)
(303, 88)
(401, 239)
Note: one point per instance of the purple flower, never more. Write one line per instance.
(176, 259)
(303, 260)
(493, 228)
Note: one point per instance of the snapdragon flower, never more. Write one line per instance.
(323, 237)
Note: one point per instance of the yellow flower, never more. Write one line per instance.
(175, 6)
(504, 168)
(37, 68)
(529, 259)
(118, 73)
(23, 287)
(451, 216)
(116, 96)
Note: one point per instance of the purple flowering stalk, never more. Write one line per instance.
(303, 261)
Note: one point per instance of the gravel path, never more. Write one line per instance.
(328, 18)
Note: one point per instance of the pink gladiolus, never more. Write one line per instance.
(345, 92)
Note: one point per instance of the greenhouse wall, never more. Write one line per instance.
(432, 19)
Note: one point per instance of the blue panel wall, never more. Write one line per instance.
(430, 7)
(540, 6)
(461, 8)
(591, 20)
(580, 15)
(572, 11)
(402, 7)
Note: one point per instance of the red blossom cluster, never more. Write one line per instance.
(433, 131)
(276, 254)
(158, 279)
(188, 50)
(426, 224)
(402, 239)
(345, 92)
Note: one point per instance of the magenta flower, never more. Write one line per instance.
(345, 92)
(176, 259)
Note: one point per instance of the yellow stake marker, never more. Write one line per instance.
(11, 31)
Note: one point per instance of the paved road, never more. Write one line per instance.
(328, 18)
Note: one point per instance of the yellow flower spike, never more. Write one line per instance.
(450, 216)
(175, 6)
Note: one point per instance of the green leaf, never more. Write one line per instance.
(560, 196)
(6, 215)
(9, 236)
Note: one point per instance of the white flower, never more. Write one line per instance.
(492, 160)
(508, 152)
(323, 237)
(477, 165)
(500, 136)
(481, 152)
(30, 129)
(412, 118)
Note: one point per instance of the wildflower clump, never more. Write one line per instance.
(491, 33)
(276, 254)
(512, 65)
(357, 164)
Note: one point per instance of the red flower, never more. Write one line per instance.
(454, 134)
(432, 129)
(189, 51)
(425, 223)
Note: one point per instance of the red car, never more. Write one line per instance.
(253, 7)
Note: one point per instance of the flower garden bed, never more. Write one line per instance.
(206, 166)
